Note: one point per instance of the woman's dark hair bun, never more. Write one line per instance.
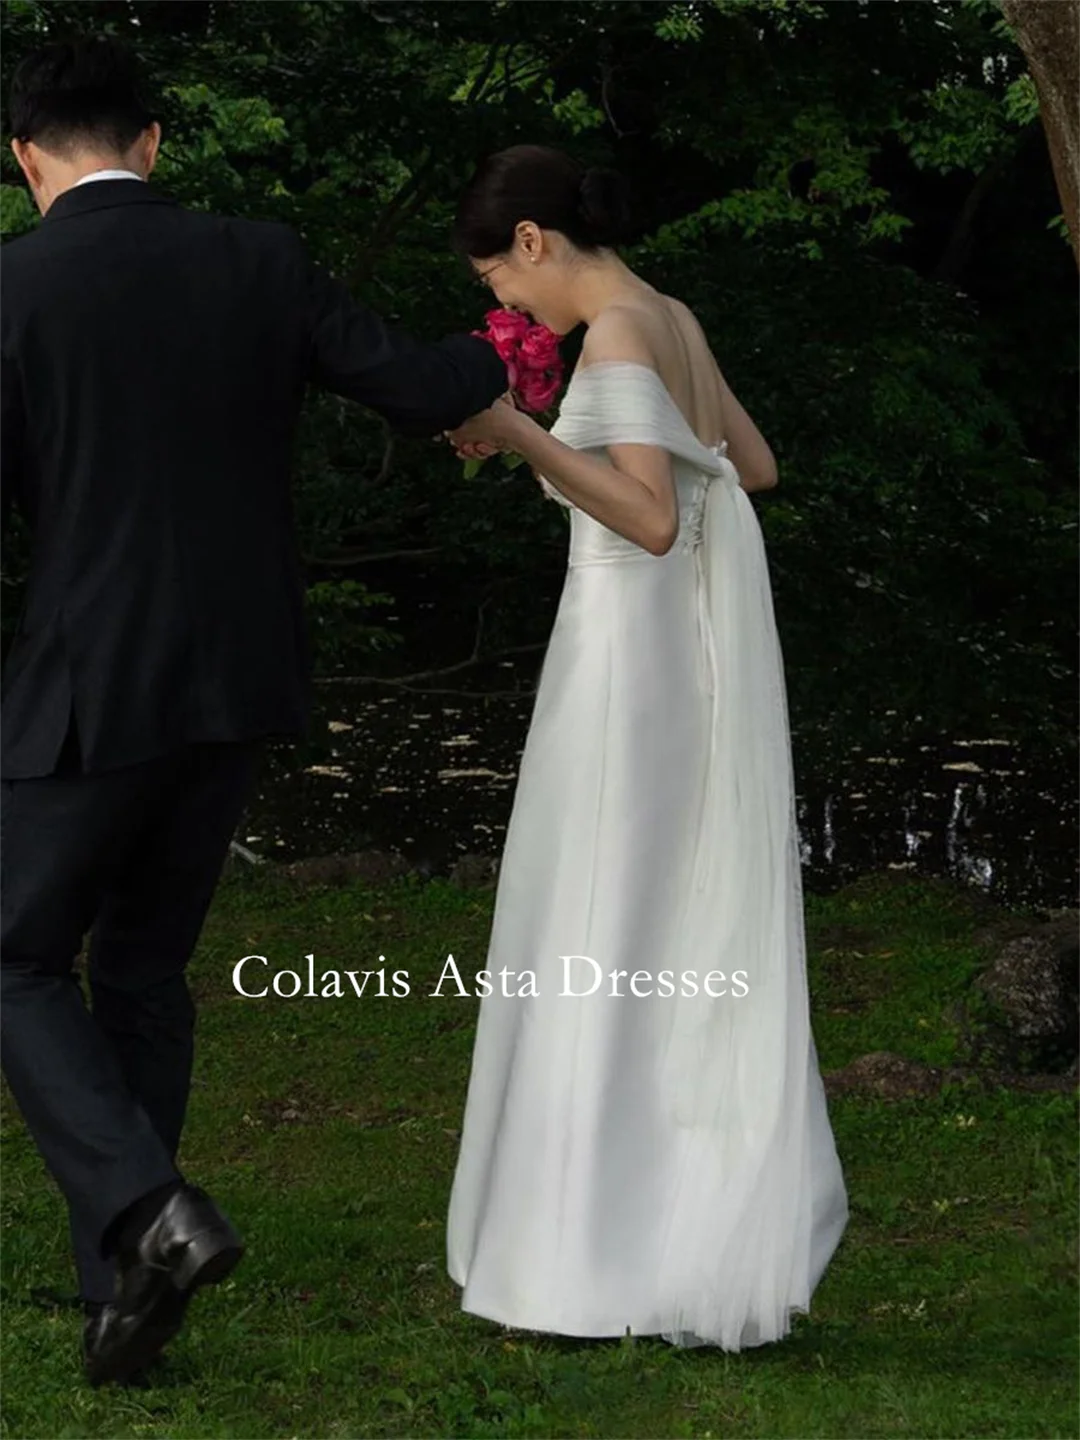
(534, 182)
(605, 205)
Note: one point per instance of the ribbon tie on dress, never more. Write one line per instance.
(695, 540)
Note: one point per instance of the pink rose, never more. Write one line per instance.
(530, 353)
(537, 389)
(540, 348)
(505, 331)
(506, 325)
(506, 349)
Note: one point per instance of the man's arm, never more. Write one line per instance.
(420, 389)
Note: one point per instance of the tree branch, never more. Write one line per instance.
(605, 98)
(351, 558)
(1048, 35)
(403, 681)
(483, 76)
(444, 690)
(408, 198)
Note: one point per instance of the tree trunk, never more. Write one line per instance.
(1048, 32)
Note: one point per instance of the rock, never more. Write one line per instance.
(1035, 1084)
(994, 934)
(885, 1075)
(1026, 1006)
(240, 860)
(372, 866)
(475, 871)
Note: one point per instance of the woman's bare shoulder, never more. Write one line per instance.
(652, 329)
(621, 331)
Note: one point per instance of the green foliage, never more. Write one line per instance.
(894, 537)
(855, 198)
(18, 213)
(681, 22)
(338, 631)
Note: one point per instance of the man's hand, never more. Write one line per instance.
(487, 432)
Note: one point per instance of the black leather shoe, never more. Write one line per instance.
(95, 1318)
(99, 1315)
(188, 1244)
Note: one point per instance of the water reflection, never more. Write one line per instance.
(428, 769)
(432, 778)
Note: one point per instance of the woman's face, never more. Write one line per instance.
(530, 277)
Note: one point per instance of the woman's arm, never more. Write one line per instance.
(747, 448)
(634, 494)
(631, 492)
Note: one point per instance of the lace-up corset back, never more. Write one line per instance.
(621, 402)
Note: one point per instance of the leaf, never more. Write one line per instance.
(17, 212)
(398, 1396)
(471, 469)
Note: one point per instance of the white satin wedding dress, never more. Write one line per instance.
(658, 1163)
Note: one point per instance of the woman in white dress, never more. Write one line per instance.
(649, 1153)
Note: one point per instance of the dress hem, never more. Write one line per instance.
(574, 1331)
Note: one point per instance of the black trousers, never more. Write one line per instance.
(133, 856)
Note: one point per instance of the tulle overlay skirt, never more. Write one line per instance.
(657, 1162)
(586, 1198)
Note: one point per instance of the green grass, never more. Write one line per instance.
(328, 1130)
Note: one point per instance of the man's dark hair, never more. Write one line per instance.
(86, 93)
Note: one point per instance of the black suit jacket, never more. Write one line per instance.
(154, 364)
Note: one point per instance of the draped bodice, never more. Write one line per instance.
(620, 402)
(733, 908)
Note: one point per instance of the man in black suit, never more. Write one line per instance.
(154, 364)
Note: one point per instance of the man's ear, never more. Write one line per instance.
(21, 149)
(150, 145)
(25, 152)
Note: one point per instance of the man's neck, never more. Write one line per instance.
(84, 168)
(109, 175)
(79, 171)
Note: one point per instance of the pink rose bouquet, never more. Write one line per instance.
(534, 365)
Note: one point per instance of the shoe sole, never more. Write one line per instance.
(203, 1264)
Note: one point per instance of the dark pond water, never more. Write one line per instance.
(427, 769)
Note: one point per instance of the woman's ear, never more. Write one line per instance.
(531, 239)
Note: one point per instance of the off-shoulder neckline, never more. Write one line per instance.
(720, 449)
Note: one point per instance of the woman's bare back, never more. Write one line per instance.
(694, 380)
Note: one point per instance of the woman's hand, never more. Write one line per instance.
(467, 451)
(491, 430)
